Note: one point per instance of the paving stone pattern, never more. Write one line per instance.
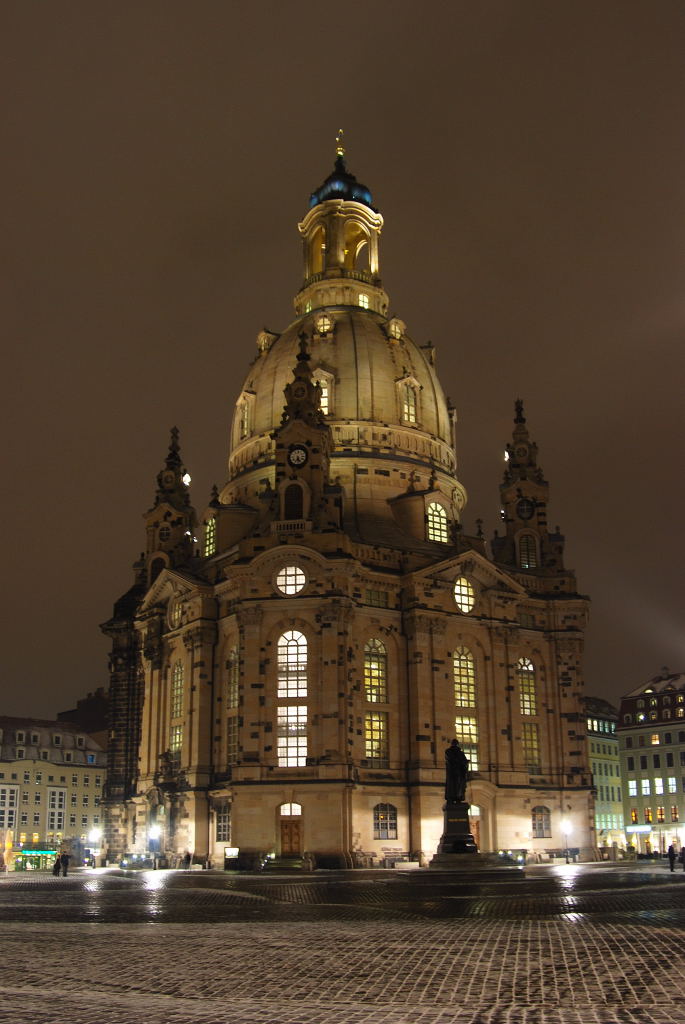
(395, 962)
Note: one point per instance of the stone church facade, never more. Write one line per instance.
(289, 666)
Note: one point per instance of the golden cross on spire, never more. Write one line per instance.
(339, 147)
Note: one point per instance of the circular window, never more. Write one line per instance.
(324, 324)
(464, 594)
(290, 580)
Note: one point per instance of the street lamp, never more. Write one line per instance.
(94, 837)
(566, 829)
(153, 834)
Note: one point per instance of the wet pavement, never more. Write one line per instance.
(576, 944)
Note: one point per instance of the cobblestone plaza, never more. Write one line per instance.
(560, 945)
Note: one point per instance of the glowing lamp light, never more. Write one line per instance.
(94, 836)
(154, 832)
(186, 478)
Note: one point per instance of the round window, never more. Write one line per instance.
(290, 580)
(324, 324)
(464, 594)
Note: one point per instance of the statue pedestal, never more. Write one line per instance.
(456, 848)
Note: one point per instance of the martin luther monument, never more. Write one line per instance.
(457, 847)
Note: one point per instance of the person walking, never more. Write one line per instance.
(64, 861)
(671, 857)
(187, 859)
(56, 867)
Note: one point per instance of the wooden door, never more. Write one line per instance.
(291, 838)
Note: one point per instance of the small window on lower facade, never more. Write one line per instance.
(384, 821)
(541, 823)
(223, 824)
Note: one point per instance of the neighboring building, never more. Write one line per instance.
(291, 686)
(651, 732)
(606, 773)
(90, 715)
(52, 777)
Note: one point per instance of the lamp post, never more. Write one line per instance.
(94, 837)
(566, 829)
(153, 834)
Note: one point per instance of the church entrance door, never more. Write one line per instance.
(291, 838)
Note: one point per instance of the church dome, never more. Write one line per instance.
(390, 426)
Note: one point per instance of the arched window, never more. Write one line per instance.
(292, 664)
(376, 738)
(176, 707)
(244, 420)
(528, 551)
(290, 810)
(466, 731)
(525, 673)
(541, 823)
(409, 403)
(384, 821)
(464, 678)
(375, 672)
(438, 528)
(293, 502)
(210, 537)
(232, 678)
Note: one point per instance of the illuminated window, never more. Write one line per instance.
(674, 812)
(292, 736)
(223, 823)
(377, 598)
(680, 713)
(308, 306)
(323, 324)
(528, 552)
(464, 594)
(395, 329)
(210, 537)
(672, 788)
(658, 787)
(177, 690)
(292, 665)
(364, 301)
(633, 815)
(233, 678)
(291, 580)
(408, 403)
(648, 815)
(641, 717)
(466, 731)
(645, 786)
(531, 747)
(375, 672)
(290, 810)
(464, 678)
(244, 420)
(232, 740)
(632, 787)
(660, 814)
(175, 742)
(525, 673)
(541, 823)
(384, 821)
(653, 702)
(376, 738)
(438, 528)
(324, 396)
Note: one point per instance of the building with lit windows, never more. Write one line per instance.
(52, 776)
(290, 665)
(651, 733)
(605, 765)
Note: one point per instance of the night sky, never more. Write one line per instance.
(529, 161)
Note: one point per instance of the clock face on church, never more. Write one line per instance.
(298, 455)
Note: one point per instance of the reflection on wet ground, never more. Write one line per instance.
(562, 892)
